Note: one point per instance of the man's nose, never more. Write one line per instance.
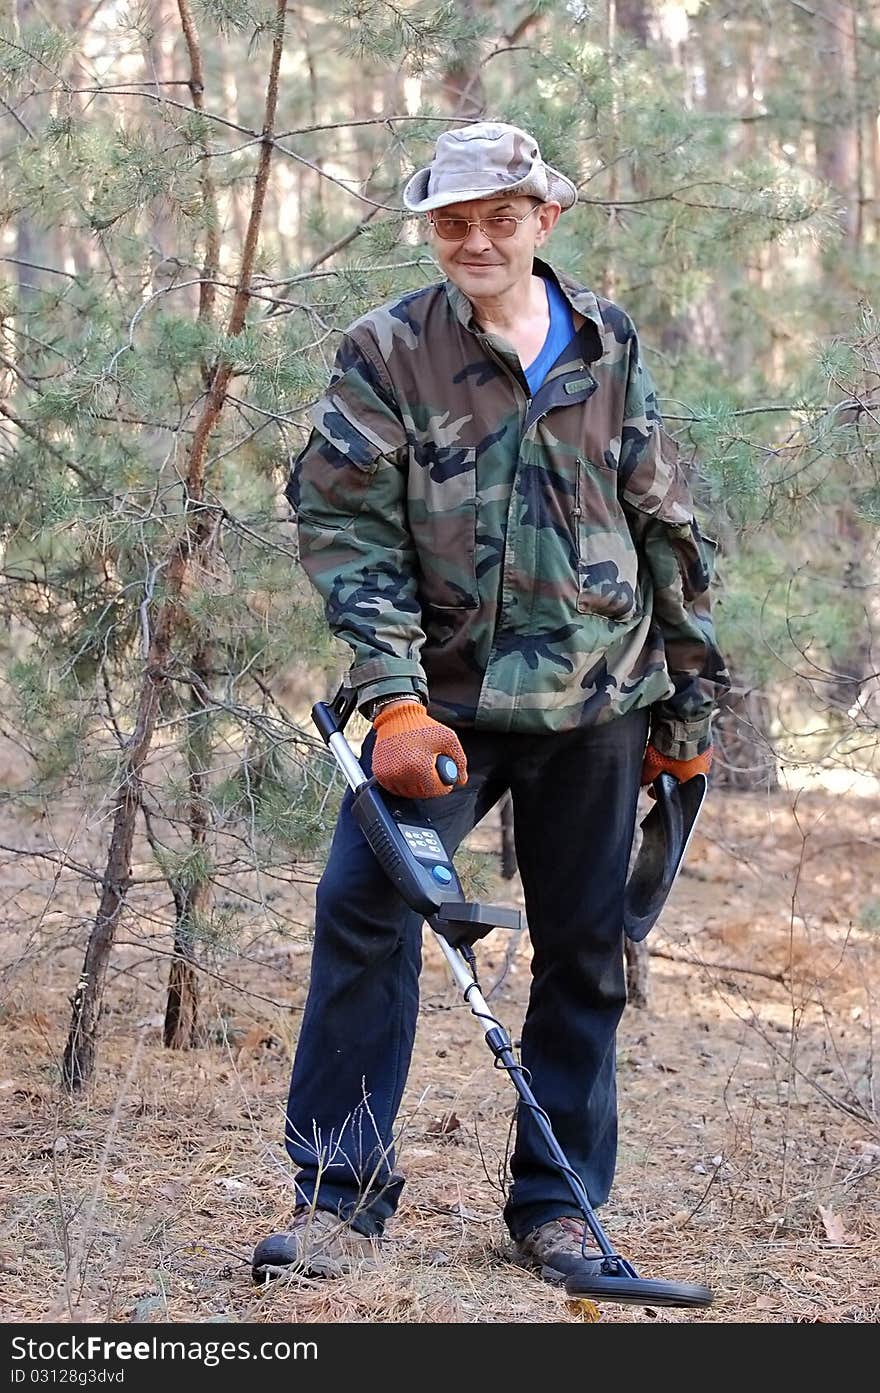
(476, 239)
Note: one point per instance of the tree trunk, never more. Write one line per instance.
(211, 263)
(508, 846)
(744, 755)
(79, 1055)
(837, 144)
(638, 985)
(608, 151)
(33, 246)
(633, 19)
(852, 541)
(192, 898)
(462, 83)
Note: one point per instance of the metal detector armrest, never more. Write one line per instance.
(462, 922)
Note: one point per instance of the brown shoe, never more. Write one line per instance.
(557, 1249)
(317, 1244)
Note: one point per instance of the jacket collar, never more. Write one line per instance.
(582, 301)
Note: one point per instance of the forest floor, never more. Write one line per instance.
(750, 1147)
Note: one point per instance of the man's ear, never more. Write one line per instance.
(547, 219)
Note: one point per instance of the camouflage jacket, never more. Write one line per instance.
(527, 563)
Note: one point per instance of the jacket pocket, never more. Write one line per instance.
(606, 556)
(328, 488)
(442, 519)
(353, 430)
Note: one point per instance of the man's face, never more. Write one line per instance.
(482, 266)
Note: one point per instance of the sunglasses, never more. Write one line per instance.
(496, 229)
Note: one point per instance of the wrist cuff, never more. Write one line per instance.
(380, 703)
(405, 713)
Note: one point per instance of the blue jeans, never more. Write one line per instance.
(574, 800)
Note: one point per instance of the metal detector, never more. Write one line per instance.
(410, 851)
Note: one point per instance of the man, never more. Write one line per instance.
(502, 533)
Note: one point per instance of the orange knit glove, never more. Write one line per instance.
(408, 742)
(681, 769)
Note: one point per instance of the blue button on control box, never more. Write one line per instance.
(443, 874)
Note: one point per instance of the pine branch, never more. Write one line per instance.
(34, 266)
(376, 121)
(35, 58)
(50, 449)
(255, 137)
(353, 193)
(782, 977)
(216, 977)
(20, 119)
(344, 240)
(162, 100)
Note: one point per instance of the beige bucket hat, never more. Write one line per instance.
(485, 159)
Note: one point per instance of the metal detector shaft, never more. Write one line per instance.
(499, 1043)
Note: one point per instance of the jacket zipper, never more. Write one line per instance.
(521, 399)
(523, 406)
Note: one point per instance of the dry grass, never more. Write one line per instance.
(749, 1143)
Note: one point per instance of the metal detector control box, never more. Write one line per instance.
(410, 853)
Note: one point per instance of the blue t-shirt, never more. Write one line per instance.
(559, 334)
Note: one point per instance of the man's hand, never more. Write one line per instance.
(681, 769)
(408, 742)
